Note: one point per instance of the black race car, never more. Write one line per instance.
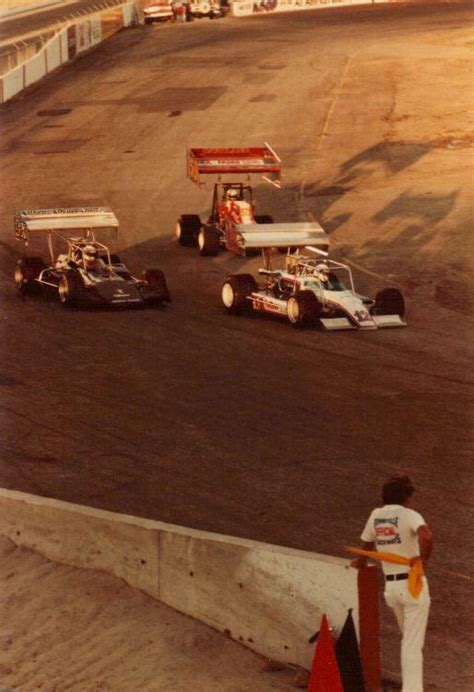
(85, 274)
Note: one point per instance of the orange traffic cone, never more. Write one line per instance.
(325, 676)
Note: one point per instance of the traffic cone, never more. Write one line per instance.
(348, 657)
(325, 675)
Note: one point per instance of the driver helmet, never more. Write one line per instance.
(322, 271)
(90, 254)
(232, 194)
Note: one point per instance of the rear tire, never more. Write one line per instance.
(236, 290)
(303, 309)
(156, 281)
(265, 218)
(71, 288)
(389, 301)
(208, 241)
(187, 228)
(27, 271)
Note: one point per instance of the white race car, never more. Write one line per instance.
(312, 291)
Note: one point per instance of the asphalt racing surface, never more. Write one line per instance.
(240, 425)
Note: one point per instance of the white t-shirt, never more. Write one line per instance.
(394, 528)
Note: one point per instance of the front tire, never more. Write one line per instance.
(71, 289)
(303, 309)
(389, 301)
(208, 241)
(187, 228)
(236, 290)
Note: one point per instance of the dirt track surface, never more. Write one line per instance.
(245, 426)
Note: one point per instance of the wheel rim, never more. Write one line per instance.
(228, 295)
(19, 277)
(178, 230)
(293, 310)
(63, 290)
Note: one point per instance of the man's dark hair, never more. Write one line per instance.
(397, 490)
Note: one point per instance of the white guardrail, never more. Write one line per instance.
(79, 36)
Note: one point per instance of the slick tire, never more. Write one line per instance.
(71, 289)
(236, 290)
(27, 271)
(303, 309)
(187, 229)
(156, 281)
(389, 301)
(208, 241)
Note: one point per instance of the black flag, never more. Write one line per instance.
(348, 657)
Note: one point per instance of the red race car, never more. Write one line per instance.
(233, 223)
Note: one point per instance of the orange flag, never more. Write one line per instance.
(415, 581)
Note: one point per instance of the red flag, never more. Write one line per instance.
(325, 676)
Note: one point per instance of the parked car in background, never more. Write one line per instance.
(158, 11)
(206, 8)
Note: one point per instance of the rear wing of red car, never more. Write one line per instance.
(244, 162)
(83, 219)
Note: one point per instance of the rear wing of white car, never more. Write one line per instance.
(237, 161)
(282, 235)
(37, 221)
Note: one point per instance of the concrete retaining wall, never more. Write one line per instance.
(267, 597)
(242, 8)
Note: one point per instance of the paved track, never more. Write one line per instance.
(246, 426)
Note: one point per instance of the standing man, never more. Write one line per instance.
(398, 529)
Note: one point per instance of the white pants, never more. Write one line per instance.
(412, 616)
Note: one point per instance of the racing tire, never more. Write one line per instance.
(303, 309)
(71, 289)
(27, 271)
(156, 281)
(389, 301)
(235, 291)
(187, 228)
(264, 218)
(208, 241)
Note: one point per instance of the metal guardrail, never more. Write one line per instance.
(17, 51)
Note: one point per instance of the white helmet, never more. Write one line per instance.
(322, 271)
(90, 253)
(232, 193)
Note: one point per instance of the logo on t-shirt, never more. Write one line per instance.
(386, 531)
